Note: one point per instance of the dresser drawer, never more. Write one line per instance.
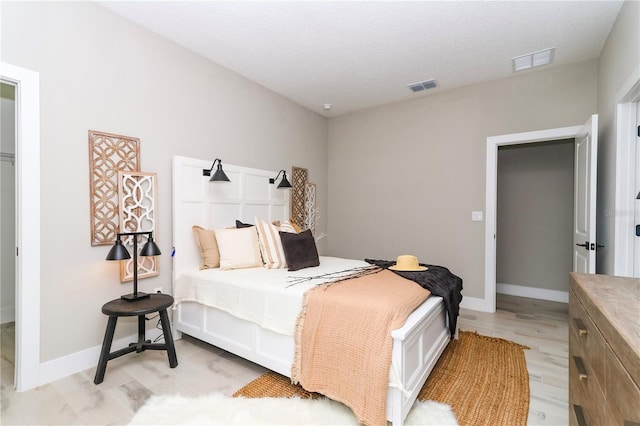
(587, 337)
(584, 390)
(578, 417)
(604, 350)
(623, 396)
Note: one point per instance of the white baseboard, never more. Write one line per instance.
(7, 314)
(533, 292)
(79, 361)
(475, 304)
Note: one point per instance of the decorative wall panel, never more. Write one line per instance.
(137, 212)
(310, 211)
(299, 178)
(108, 154)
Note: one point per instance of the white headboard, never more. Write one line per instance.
(215, 205)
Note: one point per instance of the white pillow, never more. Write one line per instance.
(270, 245)
(239, 248)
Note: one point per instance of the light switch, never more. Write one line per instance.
(476, 216)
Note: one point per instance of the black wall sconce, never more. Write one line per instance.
(284, 183)
(219, 175)
(120, 252)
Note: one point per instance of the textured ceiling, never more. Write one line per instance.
(356, 55)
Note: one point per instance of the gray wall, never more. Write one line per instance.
(534, 241)
(404, 178)
(619, 60)
(7, 205)
(99, 71)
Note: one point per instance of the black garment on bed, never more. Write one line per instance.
(439, 281)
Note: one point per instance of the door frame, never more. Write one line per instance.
(624, 255)
(493, 142)
(27, 162)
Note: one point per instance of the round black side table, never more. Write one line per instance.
(123, 308)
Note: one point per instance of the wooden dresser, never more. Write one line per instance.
(604, 350)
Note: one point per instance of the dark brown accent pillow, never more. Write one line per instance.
(300, 250)
(243, 225)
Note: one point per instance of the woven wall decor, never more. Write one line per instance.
(108, 154)
(137, 211)
(299, 178)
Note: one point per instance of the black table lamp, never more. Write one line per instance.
(120, 252)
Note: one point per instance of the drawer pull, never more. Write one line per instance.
(579, 415)
(582, 372)
(582, 330)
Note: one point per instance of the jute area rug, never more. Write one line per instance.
(483, 379)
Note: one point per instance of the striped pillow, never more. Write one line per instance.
(287, 226)
(270, 245)
(295, 226)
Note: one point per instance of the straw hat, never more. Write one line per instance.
(407, 262)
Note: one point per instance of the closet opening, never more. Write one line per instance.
(535, 213)
(26, 246)
(585, 168)
(7, 232)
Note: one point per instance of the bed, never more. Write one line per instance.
(264, 334)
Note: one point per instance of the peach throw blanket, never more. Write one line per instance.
(343, 339)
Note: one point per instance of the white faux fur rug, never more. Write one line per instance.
(219, 409)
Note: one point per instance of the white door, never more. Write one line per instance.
(584, 211)
(636, 245)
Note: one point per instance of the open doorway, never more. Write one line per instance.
(585, 167)
(27, 223)
(7, 232)
(534, 239)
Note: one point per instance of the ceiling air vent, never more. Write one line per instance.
(532, 60)
(423, 85)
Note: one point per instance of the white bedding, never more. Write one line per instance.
(259, 295)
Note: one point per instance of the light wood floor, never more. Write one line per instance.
(202, 368)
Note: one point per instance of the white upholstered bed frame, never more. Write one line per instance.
(416, 346)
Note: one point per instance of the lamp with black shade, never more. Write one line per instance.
(120, 252)
(219, 175)
(284, 182)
